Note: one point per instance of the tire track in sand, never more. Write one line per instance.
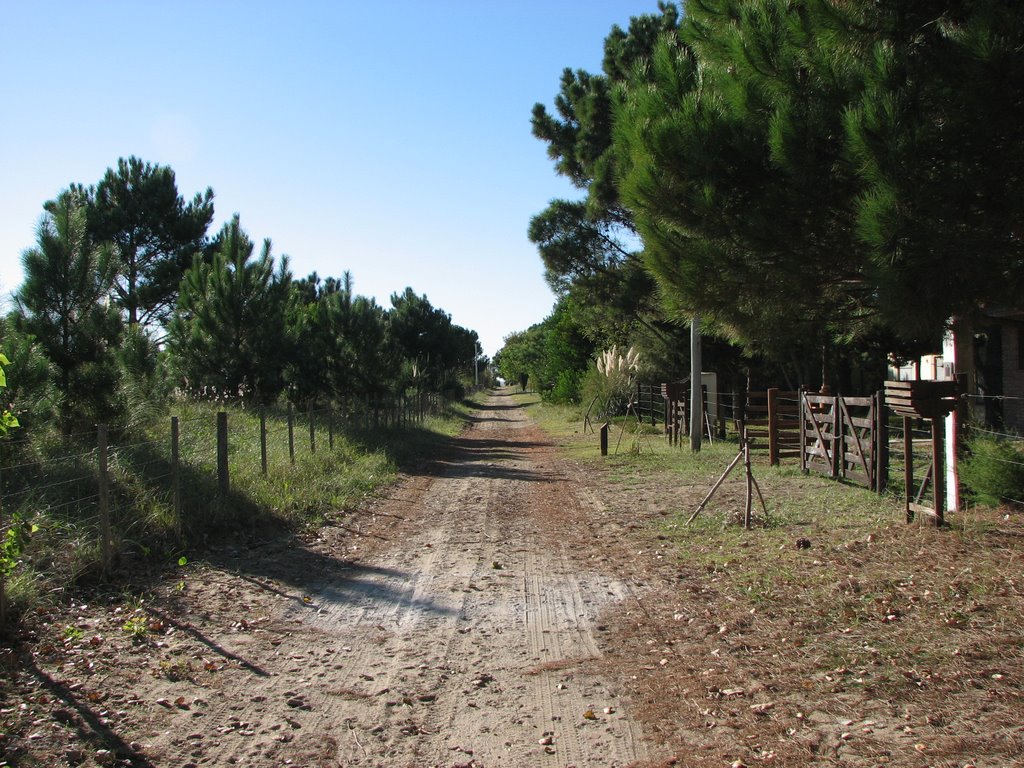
(464, 640)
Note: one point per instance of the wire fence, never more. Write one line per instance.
(89, 487)
(857, 439)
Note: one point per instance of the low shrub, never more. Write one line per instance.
(993, 471)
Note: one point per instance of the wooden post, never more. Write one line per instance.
(263, 442)
(104, 496)
(696, 392)
(223, 481)
(938, 469)
(773, 426)
(175, 468)
(840, 437)
(802, 406)
(604, 439)
(837, 436)
(748, 501)
(908, 467)
(312, 433)
(881, 443)
(330, 428)
(291, 433)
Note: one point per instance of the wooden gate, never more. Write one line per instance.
(772, 421)
(844, 437)
(677, 421)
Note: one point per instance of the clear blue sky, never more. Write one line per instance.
(388, 139)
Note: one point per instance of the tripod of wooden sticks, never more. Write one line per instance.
(744, 454)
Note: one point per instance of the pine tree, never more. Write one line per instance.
(62, 303)
(155, 232)
(228, 334)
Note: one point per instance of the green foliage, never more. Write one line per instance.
(567, 387)
(589, 247)
(993, 471)
(553, 354)
(155, 234)
(433, 348)
(32, 395)
(62, 307)
(228, 332)
(8, 420)
(934, 135)
(136, 627)
(802, 169)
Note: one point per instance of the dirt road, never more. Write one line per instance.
(455, 622)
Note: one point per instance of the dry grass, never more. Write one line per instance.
(871, 642)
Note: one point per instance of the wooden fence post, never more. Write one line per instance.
(881, 443)
(837, 438)
(312, 433)
(223, 481)
(330, 428)
(104, 496)
(938, 468)
(263, 442)
(839, 441)
(604, 439)
(175, 468)
(802, 405)
(291, 433)
(908, 467)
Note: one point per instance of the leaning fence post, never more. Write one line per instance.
(104, 496)
(175, 468)
(223, 481)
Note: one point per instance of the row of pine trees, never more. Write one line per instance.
(127, 300)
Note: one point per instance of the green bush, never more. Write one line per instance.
(993, 471)
(567, 388)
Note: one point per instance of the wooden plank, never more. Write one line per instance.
(922, 509)
(857, 401)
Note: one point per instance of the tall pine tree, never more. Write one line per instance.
(228, 335)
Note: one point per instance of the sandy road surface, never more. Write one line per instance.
(453, 623)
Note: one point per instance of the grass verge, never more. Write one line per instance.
(159, 510)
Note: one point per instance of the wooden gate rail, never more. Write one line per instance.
(857, 440)
(819, 427)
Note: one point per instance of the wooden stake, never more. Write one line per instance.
(715, 487)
